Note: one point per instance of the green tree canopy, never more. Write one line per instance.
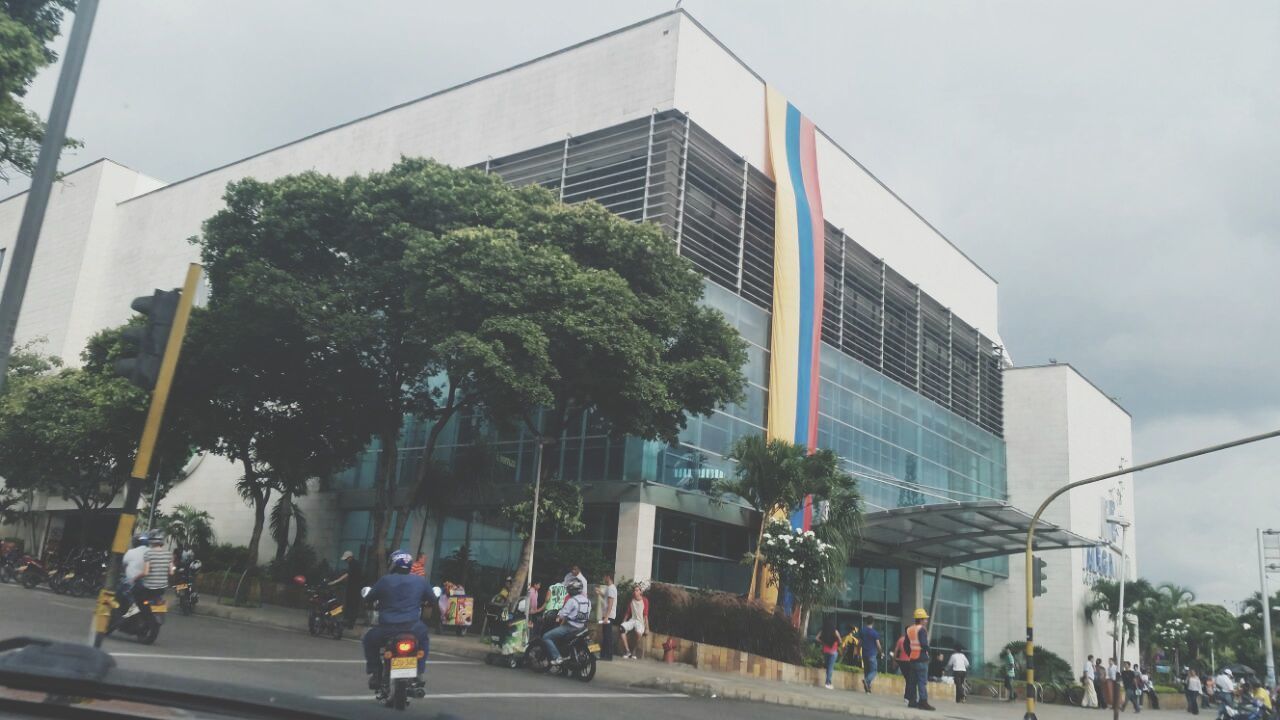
(27, 27)
(73, 432)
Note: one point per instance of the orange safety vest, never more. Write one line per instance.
(913, 642)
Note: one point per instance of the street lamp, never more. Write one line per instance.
(1213, 662)
(1266, 610)
(1117, 637)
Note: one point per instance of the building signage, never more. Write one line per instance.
(1100, 561)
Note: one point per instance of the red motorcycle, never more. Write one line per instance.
(325, 615)
(31, 572)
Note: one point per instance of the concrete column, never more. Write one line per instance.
(635, 540)
(911, 593)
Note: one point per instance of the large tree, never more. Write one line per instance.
(73, 432)
(27, 28)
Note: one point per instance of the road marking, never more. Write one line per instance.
(481, 696)
(217, 658)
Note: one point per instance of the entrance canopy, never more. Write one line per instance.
(946, 534)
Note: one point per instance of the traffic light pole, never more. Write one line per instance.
(1031, 535)
(142, 461)
(46, 170)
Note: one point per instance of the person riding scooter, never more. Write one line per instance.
(400, 597)
(572, 618)
(134, 566)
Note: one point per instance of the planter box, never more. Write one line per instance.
(722, 659)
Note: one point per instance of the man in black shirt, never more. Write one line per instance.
(1129, 679)
(350, 579)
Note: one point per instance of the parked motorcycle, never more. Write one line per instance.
(398, 680)
(325, 614)
(31, 572)
(577, 652)
(143, 625)
(184, 584)
(9, 565)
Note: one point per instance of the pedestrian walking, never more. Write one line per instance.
(1129, 679)
(830, 639)
(872, 647)
(917, 650)
(1113, 684)
(1088, 679)
(1010, 669)
(608, 616)
(958, 665)
(1100, 684)
(1193, 690)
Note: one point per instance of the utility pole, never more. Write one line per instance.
(1266, 608)
(55, 134)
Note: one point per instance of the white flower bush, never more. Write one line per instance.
(798, 559)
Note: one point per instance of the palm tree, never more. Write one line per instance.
(774, 476)
(188, 527)
(1105, 598)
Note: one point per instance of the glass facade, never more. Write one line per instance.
(699, 553)
(910, 395)
(959, 620)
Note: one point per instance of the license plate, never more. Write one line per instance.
(336, 611)
(160, 608)
(404, 667)
(594, 647)
(180, 587)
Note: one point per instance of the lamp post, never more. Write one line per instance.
(1213, 661)
(1266, 610)
(1117, 637)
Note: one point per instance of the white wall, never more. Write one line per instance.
(724, 97)
(1059, 428)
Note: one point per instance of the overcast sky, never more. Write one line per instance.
(1116, 166)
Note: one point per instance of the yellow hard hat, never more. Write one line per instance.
(921, 614)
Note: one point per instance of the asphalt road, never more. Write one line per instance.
(283, 660)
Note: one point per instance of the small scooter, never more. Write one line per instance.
(324, 617)
(143, 625)
(398, 679)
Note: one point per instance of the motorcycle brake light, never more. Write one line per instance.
(404, 647)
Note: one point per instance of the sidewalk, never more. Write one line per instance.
(655, 675)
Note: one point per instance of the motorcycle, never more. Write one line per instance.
(398, 680)
(184, 584)
(9, 566)
(324, 617)
(143, 625)
(578, 654)
(31, 572)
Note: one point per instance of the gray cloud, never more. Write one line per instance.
(1115, 166)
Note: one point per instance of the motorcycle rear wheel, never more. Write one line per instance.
(336, 630)
(30, 580)
(584, 671)
(313, 623)
(149, 634)
(399, 694)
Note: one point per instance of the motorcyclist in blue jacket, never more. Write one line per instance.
(400, 597)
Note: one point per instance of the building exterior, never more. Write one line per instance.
(869, 332)
(1060, 428)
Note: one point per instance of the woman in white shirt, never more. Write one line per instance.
(958, 665)
(1194, 688)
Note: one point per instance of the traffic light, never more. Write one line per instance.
(145, 343)
(1038, 576)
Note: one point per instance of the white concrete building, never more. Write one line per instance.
(661, 123)
(1060, 428)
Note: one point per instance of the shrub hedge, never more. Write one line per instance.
(723, 619)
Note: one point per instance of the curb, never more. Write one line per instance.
(770, 696)
(763, 693)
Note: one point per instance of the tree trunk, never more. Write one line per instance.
(383, 494)
(417, 494)
(755, 564)
(516, 586)
(286, 518)
(260, 499)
